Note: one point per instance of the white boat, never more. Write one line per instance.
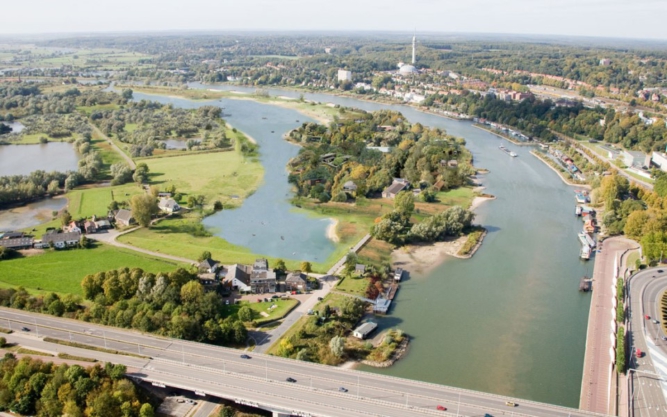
(578, 210)
(513, 154)
(585, 252)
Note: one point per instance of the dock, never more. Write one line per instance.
(391, 291)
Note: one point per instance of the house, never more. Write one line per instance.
(328, 157)
(73, 227)
(124, 218)
(660, 160)
(635, 159)
(350, 187)
(102, 224)
(209, 266)
(237, 277)
(11, 235)
(296, 281)
(90, 227)
(23, 242)
(395, 188)
(208, 281)
(262, 280)
(61, 240)
(168, 205)
(364, 330)
(360, 269)
(344, 75)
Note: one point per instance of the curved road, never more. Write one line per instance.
(222, 373)
(647, 381)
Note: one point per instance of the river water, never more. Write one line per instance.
(508, 321)
(24, 159)
(266, 222)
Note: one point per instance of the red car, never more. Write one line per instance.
(441, 408)
(647, 317)
(638, 353)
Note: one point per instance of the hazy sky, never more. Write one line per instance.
(604, 18)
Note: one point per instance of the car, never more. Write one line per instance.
(259, 300)
(244, 356)
(342, 389)
(647, 317)
(488, 415)
(290, 379)
(441, 408)
(664, 338)
(275, 296)
(180, 400)
(266, 299)
(655, 321)
(660, 271)
(191, 402)
(510, 404)
(226, 302)
(25, 329)
(320, 298)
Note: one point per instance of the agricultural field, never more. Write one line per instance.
(85, 202)
(62, 271)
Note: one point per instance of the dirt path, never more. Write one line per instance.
(129, 160)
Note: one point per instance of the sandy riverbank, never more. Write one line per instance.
(425, 257)
(331, 231)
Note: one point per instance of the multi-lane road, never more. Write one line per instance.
(221, 372)
(647, 379)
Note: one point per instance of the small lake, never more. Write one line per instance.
(266, 223)
(31, 214)
(17, 127)
(179, 143)
(24, 159)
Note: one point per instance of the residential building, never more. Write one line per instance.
(237, 277)
(168, 205)
(396, 187)
(344, 75)
(364, 330)
(61, 240)
(11, 235)
(296, 281)
(209, 266)
(24, 242)
(262, 280)
(659, 159)
(102, 224)
(605, 62)
(360, 269)
(73, 227)
(124, 217)
(90, 227)
(635, 159)
(350, 186)
(381, 305)
(208, 281)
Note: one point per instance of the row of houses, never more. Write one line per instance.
(257, 278)
(53, 238)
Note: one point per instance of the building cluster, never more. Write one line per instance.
(568, 164)
(257, 278)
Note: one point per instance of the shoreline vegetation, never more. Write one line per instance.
(558, 171)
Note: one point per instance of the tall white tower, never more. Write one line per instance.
(414, 48)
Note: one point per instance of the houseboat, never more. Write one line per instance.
(585, 252)
(398, 274)
(507, 151)
(578, 210)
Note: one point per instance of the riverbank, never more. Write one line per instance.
(500, 135)
(331, 231)
(557, 171)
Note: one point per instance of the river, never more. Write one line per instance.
(510, 320)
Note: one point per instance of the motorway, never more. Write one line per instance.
(221, 372)
(648, 381)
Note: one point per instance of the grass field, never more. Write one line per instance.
(62, 271)
(282, 307)
(217, 176)
(353, 285)
(85, 202)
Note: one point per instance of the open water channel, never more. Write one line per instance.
(508, 321)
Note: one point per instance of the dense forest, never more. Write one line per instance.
(32, 387)
(344, 151)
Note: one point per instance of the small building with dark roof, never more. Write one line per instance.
(24, 242)
(395, 188)
(296, 281)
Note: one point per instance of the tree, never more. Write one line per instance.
(246, 314)
(192, 292)
(337, 346)
(404, 203)
(146, 411)
(217, 205)
(65, 218)
(3, 342)
(306, 267)
(143, 206)
(127, 94)
(280, 266)
(204, 256)
(634, 225)
(226, 411)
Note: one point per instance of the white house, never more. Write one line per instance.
(364, 330)
(61, 240)
(344, 75)
(168, 205)
(238, 278)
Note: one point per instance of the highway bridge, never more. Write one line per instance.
(261, 380)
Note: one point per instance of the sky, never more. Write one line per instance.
(642, 19)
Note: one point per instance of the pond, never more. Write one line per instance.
(24, 159)
(179, 143)
(31, 214)
(17, 127)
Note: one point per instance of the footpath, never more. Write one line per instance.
(598, 377)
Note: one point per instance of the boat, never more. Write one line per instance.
(590, 240)
(582, 239)
(578, 210)
(584, 284)
(507, 151)
(585, 252)
(513, 154)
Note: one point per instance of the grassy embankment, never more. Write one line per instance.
(62, 271)
(282, 307)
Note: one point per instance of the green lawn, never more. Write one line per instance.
(217, 175)
(85, 202)
(90, 109)
(282, 308)
(638, 177)
(353, 285)
(62, 271)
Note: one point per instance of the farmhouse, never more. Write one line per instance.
(168, 205)
(238, 278)
(124, 217)
(396, 187)
(24, 242)
(296, 281)
(61, 240)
